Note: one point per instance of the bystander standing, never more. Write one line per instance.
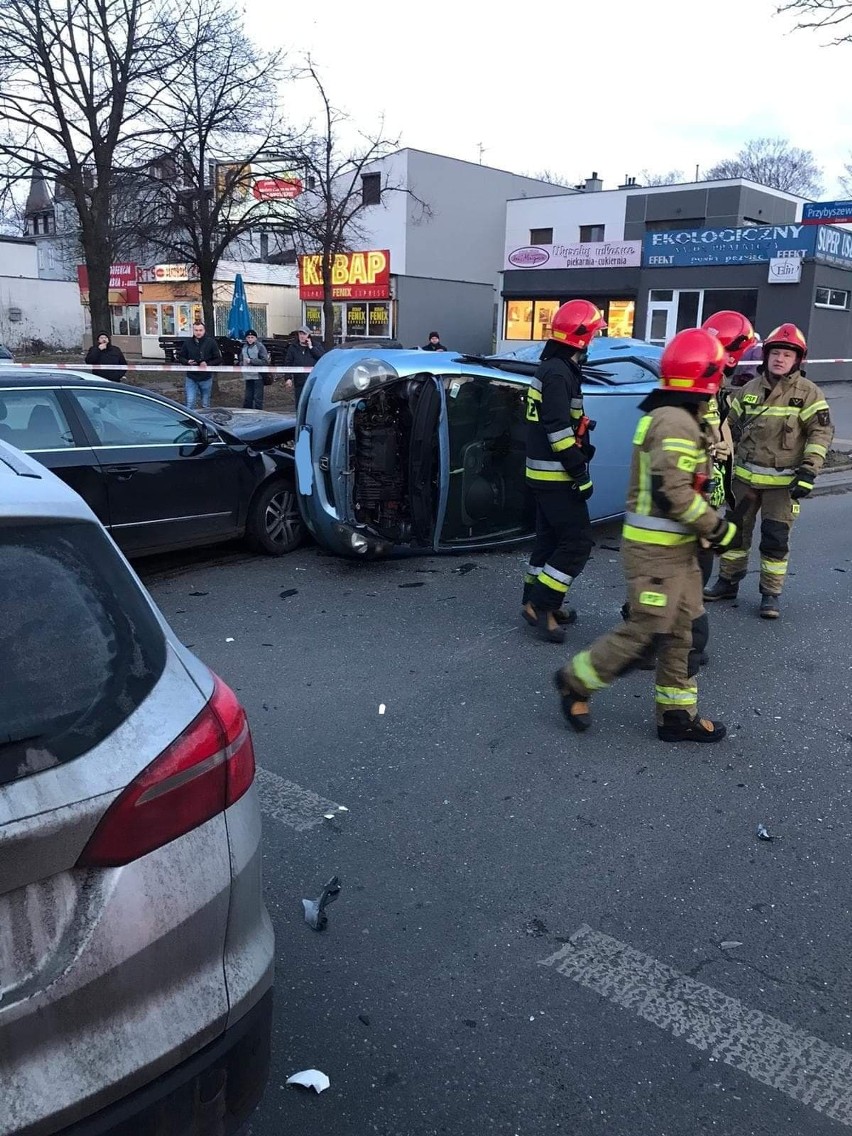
(104, 353)
(303, 353)
(198, 353)
(253, 354)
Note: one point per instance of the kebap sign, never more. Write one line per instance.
(354, 276)
(600, 254)
(747, 245)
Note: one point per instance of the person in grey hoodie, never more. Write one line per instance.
(253, 354)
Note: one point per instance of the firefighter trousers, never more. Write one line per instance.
(563, 545)
(662, 610)
(777, 513)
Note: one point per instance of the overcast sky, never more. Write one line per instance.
(656, 84)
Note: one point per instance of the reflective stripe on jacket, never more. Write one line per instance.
(778, 428)
(665, 512)
(554, 410)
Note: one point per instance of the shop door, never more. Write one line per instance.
(661, 323)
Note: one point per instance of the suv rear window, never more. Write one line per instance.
(81, 649)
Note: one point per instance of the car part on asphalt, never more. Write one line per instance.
(310, 1079)
(315, 915)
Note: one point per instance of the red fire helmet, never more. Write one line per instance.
(787, 335)
(577, 323)
(693, 362)
(735, 333)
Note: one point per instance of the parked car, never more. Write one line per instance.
(136, 955)
(403, 452)
(157, 475)
(5, 354)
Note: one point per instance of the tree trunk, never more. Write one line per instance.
(206, 273)
(327, 301)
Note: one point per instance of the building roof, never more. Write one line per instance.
(677, 187)
(39, 198)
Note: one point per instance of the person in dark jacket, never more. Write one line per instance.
(198, 352)
(105, 353)
(303, 353)
(434, 343)
(253, 354)
(558, 456)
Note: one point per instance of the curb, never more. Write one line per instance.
(839, 481)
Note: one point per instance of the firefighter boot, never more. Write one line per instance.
(575, 707)
(769, 607)
(677, 726)
(565, 616)
(546, 623)
(722, 590)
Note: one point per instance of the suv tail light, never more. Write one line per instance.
(203, 772)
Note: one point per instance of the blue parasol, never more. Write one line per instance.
(239, 320)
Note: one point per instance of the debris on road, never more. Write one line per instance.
(729, 944)
(763, 833)
(199, 593)
(315, 915)
(412, 584)
(364, 1018)
(310, 1079)
(285, 595)
(382, 708)
(230, 639)
(463, 569)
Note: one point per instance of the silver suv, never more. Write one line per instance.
(135, 950)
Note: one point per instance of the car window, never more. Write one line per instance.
(120, 419)
(619, 372)
(81, 647)
(33, 420)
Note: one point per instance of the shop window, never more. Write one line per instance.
(687, 310)
(152, 319)
(378, 320)
(544, 312)
(167, 316)
(619, 317)
(661, 295)
(519, 319)
(371, 189)
(591, 234)
(313, 318)
(742, 300)
(124, 319)
(541, 236)
(832, 298)
(356, 319)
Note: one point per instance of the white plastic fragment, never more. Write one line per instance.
(328, 816)
(230, 639)
(342, 809)
(382, 708)
(310, 1079)
(729, 944)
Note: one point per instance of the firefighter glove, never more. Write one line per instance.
(725, 536)
(584, 485)
(803, 484)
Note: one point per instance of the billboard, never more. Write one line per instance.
(354, 276)
(123, 283)
(598, 254)
(263, 192)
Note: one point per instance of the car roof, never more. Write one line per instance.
(29, 489)
(47, 376)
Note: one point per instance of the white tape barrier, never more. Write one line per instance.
(183, 368)
(808, 362)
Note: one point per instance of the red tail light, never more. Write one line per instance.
(202, 773)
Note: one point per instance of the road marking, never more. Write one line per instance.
(291, 804)
(794, 1062)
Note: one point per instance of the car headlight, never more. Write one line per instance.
(363, 376)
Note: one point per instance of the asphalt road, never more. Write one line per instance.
(483, 840)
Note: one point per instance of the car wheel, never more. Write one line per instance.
(274, 523)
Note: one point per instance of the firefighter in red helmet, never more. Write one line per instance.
(781, 427)
(667, 513)
(557, 469)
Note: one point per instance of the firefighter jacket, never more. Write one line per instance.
(555, 453)
(778, 429)
(666, 510)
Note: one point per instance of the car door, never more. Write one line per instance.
(38, 421)
(171, 480)
(486, 498)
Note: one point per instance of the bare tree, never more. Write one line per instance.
(330, 212)
(77, 78)
(202, 189)
(821, 14)
(553, 178)
(773, 162)
(665, 177)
